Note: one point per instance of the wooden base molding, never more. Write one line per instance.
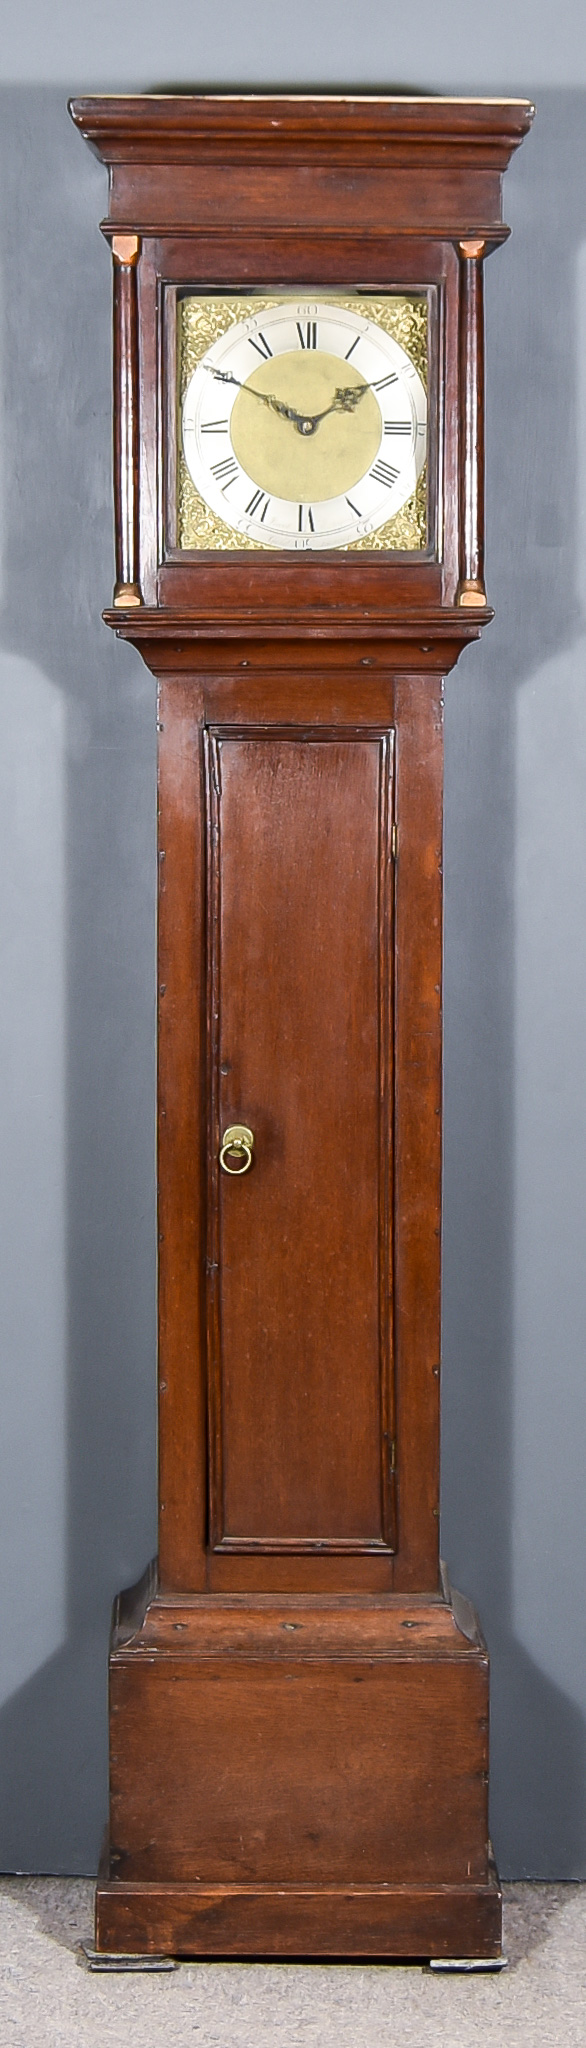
(382, 1921)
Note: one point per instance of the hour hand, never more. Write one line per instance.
(347, 397)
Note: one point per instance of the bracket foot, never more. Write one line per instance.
(103, 1959)
(462, 1963)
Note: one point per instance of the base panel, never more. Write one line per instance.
(298, 1778)
(395, 1920)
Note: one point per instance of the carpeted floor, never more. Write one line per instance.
(48, 1998)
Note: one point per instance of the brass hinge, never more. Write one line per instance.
(394, 840)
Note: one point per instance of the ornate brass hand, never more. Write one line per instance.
(285, 412)
(346, 399)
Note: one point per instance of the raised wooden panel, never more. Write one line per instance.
(299, 926)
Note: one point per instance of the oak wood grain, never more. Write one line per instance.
(300, 1034)
(352, 1920)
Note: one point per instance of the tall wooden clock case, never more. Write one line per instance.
(298, 1702)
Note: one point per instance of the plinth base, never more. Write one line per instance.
(298, 1777)
(246, 1920)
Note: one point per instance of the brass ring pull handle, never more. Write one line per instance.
(238, 1141)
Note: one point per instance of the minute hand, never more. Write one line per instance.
(285, 412)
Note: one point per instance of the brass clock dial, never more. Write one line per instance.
(304, 426)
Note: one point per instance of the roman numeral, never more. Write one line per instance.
(382, 382)
(255, 503)
(354, 509)
(214, 426)
(307, 333)
(226, 472)
(303, 509)
(352, 348)
(261, 345)
(397, 426)
(382, 473)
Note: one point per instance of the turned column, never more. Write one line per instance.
(125, 252)
(471, 590)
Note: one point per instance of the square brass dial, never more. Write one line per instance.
(319, 420)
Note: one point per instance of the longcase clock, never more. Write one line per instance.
(299, 1702)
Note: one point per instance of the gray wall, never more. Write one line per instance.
(77, 1465)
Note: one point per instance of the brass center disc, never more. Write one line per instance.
(305, 467)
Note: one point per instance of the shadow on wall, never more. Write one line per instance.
(514, 1524)
(77, 1280)
(77, 1122)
